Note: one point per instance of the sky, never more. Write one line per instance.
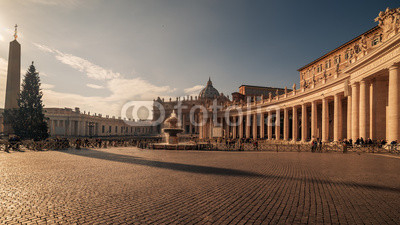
(100, 54)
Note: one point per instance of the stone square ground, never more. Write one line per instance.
(128, 185)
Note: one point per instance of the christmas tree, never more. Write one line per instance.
(28, 121)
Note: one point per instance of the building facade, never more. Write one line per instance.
(349, 93)
(256, 92)
(65, 122)
(188, 109)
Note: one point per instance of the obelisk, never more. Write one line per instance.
(13, 78)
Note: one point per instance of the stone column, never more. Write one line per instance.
(269, 120)
(70, 127)
(54, 128)
(304, 123)
(355, 111)
(255, 126)
(262, 125)
(349, 112)
(241, 124)
(372, 110)
(392, 122)
(248, 125)
(191, 124)
(234, 127)
(337, 126)
(227, 125)
(77, 128)
(294, 124)
(197, 119)
(364, 109)
(184, 123)
(50, 124)
(286, 124)
(211, 126)
(314, 119)
(278, 125)
(98, 129)
(200, 127)
(325, 120)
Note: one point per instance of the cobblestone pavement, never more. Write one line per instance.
(127, 185)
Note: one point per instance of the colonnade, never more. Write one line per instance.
(369, 108)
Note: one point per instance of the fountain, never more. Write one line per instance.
(171, 131)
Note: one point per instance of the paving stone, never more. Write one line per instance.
(134, 186)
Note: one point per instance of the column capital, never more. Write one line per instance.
(338, 95)
(393, 67)
(372, 81)
(355, 84)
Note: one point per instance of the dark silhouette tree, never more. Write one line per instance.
(28, 121)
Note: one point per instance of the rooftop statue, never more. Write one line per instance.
(389, 21)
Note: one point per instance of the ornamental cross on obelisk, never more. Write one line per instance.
(15, 32)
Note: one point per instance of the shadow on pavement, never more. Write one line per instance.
(159, 164)
(212, 170)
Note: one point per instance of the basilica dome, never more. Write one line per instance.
(209, 91)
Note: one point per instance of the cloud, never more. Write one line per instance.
(122, 89)
(43, 74)
(46, 86)
(90, 69)
(193, 90)
(44, 48)
(55, 2)
(3, 66)
(94, 86)
(52, 98)
(3, 81)
(44, 2)
(136, 89)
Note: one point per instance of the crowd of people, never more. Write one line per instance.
(240, 144)
(14, 143)
(369, 142)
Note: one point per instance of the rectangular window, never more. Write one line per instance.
(375, 41)
(337, 59)
(116, 129)
(103, 129)
(109, 129)
(328, 64)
